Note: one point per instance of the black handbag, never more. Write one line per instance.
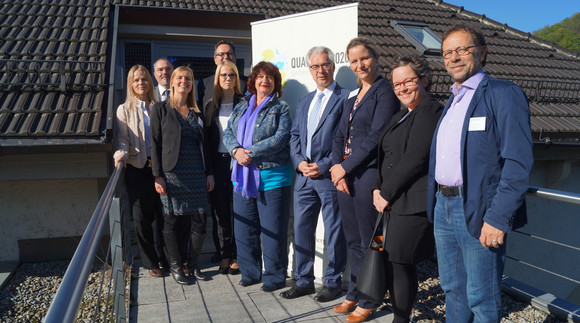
(371, 281)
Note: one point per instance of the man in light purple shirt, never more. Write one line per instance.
(479, 167)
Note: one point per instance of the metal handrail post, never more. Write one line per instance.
(65, 305)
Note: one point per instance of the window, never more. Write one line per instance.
(419, 35)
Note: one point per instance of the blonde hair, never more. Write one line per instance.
(131, 100)
(190, 102)
(217, 89)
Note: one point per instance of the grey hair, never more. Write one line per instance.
(320, 50)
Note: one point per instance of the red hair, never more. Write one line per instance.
(270, 70)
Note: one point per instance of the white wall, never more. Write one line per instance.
(47, 196)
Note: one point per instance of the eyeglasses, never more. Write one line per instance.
(461, 51)
(225, 76)
(407, 83)
(325, 66)
(222, 54)
(262, 76)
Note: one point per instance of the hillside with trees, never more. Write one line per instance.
(565, 33)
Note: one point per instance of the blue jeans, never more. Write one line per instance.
(470, 274)
(266, 216)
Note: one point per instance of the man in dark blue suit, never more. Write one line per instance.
(312, 131)
(479, 168)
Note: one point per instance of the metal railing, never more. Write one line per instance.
(66, 302)
(538, 298)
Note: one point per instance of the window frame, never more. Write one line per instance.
(400, 27)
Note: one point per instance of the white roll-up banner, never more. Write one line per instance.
(284, 41)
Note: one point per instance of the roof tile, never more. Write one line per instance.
(49, 88)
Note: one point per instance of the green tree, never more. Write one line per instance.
(565, 33)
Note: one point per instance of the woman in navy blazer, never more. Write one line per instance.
(401, 181)
(354, 155)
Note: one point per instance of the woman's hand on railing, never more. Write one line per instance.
(160, 185)
(120, 159)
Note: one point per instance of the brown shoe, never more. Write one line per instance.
(361, 314)
(346, 307)
(155, 272)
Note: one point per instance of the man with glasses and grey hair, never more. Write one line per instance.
(223, 50)
(162, 70)
(315, 122)
(479, 168)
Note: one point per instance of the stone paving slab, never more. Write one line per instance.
(221, 299)
(7, 268)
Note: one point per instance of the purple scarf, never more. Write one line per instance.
(247, 178)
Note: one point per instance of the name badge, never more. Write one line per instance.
(477, 124)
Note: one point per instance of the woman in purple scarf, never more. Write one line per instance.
(258, 136)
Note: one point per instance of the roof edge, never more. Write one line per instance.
(13, 146)
(526, 35)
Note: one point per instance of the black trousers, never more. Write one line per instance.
(221, 208)
(177, 233)
(147, 211)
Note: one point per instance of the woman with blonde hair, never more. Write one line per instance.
(217, 112)
(183, 174)
(133, 152)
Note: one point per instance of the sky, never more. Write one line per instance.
(525, 15)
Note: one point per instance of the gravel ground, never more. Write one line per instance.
(29, 292)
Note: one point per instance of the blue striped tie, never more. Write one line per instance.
(313, 122)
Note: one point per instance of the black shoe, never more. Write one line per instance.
(179, 276)
(270, 288)
(196, 272)
(327, 294)
(297, 291)
(234, 271)
(216, 257)
(246, 283)
(223, 270)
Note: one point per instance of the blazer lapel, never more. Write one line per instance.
(479, 91)
(330, 106)
(369, 93)
(305, 115)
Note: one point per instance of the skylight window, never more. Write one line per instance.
(419, 35)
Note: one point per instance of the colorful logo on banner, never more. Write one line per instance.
(278, 59)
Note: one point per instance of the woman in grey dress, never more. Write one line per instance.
(183, 175)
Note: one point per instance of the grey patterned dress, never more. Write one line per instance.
(186, 182)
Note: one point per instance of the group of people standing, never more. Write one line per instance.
(452, 177)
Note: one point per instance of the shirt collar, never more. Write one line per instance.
(326, 91)
(471, 83)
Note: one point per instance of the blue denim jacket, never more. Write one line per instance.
(271, 141)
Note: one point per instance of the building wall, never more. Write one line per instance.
(47, 196)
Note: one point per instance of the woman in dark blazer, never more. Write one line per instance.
(218, 110)
(183, 174)
(401, 182)
(354, 156)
